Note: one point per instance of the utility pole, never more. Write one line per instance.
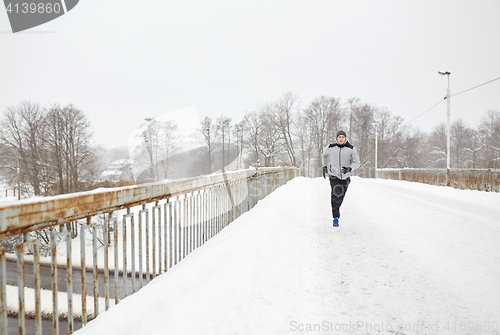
(448, 96)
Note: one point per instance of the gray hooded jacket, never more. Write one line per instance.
(335, 156)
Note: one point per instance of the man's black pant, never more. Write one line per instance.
(339, 189)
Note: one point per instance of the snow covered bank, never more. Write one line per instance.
(407, 258)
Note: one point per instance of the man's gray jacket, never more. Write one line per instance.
(335, 156)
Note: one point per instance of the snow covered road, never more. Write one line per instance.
(408, 258)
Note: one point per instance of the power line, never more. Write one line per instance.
(474, 87)
(470, 89)
(419, 115)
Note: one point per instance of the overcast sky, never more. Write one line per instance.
(121, 61)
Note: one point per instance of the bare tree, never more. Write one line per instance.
(207, 134)
(55, 140)
(490, 131)
(223, 127)
(157, 142)
(72, 154)
(239, 133)
(437, 146)
(253, 133)
(413, 153)
(150, 135)
(305, 144)
(461, 136)
(475, 148)
(352, 105)
(270, 138)
(169, 142)
(362, 119)
(324, 117)
(78, 148)
(281, 116)
(23, 128)
(393, 140)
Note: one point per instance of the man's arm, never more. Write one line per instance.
(324, 157)
(355, 160)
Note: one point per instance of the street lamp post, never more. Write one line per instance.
(446, 73)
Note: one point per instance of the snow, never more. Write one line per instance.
(408, 258)
(6, 193)
(46, 303)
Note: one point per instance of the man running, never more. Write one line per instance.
(339, 160)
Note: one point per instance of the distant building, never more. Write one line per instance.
(118, 170)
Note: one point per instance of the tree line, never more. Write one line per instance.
(284, 132)
(50, 150)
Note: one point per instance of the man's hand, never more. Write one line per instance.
(325, 171)
(346, 169)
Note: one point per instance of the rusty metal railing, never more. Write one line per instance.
(465, 179)
(126, 237)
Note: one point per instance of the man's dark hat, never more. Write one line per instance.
(341, 132)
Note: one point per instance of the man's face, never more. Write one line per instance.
(341, 139)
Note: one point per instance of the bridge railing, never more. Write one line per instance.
(472, 179)
(131, 234)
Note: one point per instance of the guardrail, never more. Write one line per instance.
(134, 233)
(472, 179)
